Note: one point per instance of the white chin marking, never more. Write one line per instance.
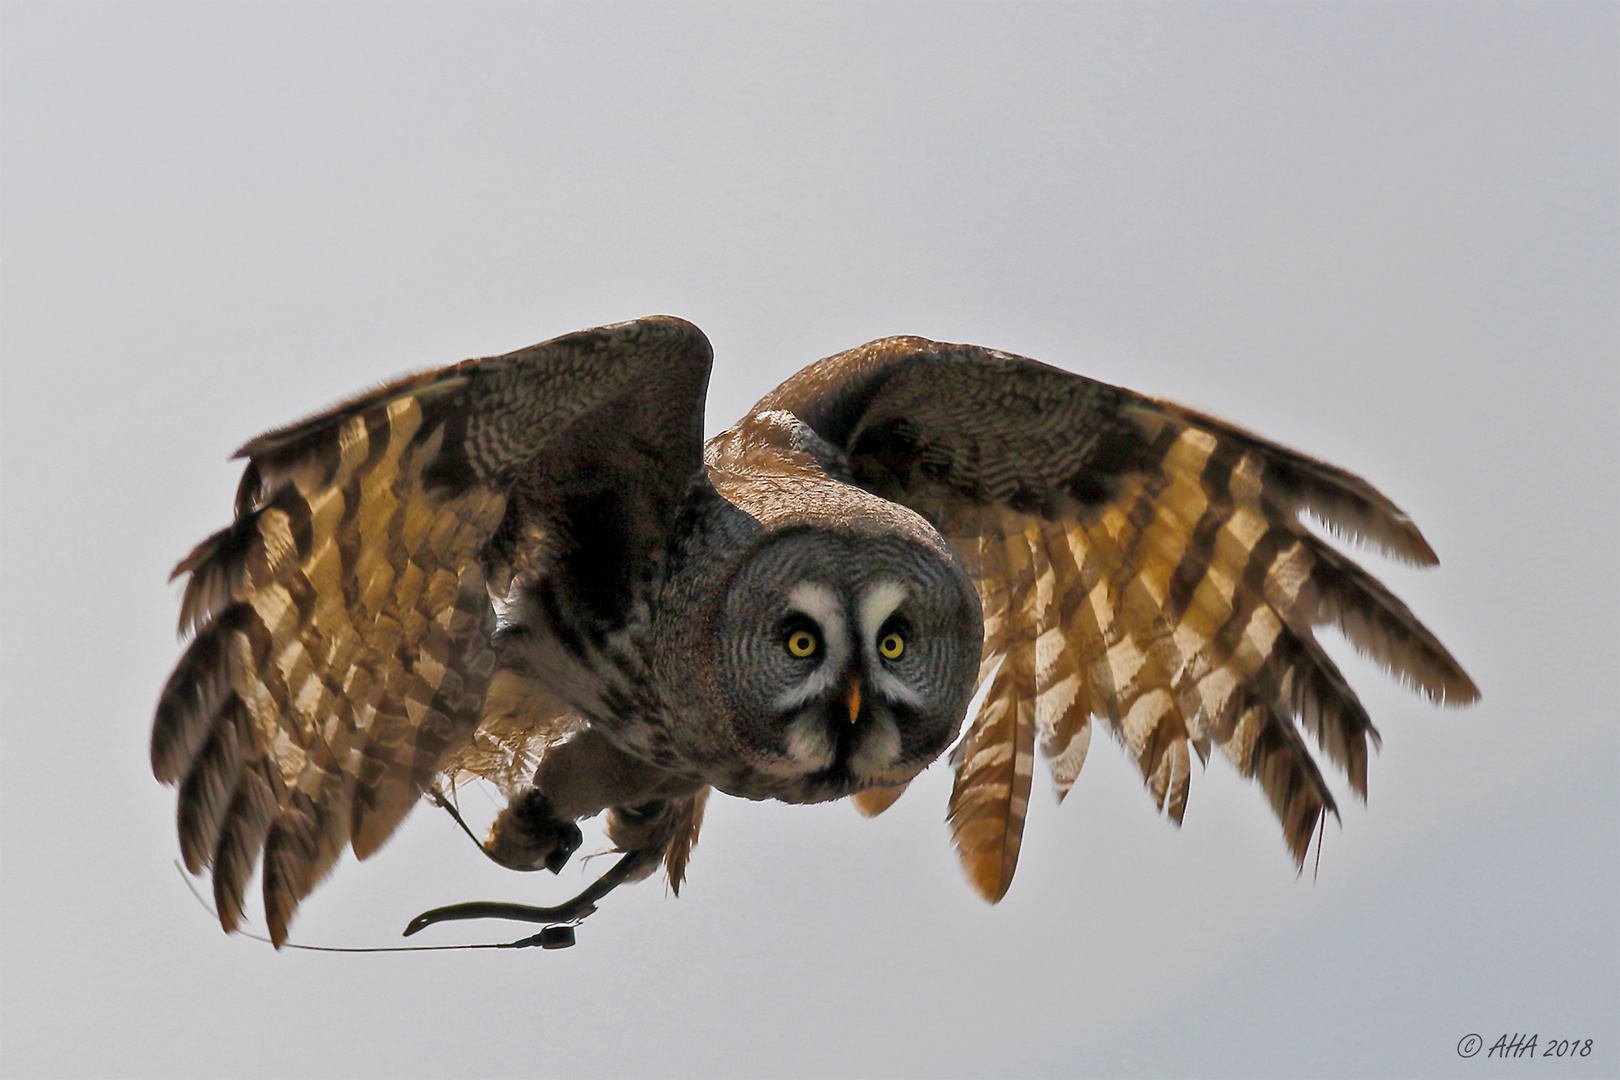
(808, 744)
(878, 750)
(877, 605)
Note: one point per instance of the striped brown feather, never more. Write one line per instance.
(1265, 746)
(1308, 686)
(873, 801)
(991, 795)
(688, 821)
(1341, 500)
(259, 793)
(1383, 628)
(1185, 585)
(341, 650)
(997, 756)
(210, 785)
(358, 644)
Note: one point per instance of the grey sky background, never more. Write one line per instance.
(1386, 235)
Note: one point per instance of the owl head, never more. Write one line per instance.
(847, 654)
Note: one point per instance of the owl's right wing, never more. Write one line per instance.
(1137, 562)
(341, 656)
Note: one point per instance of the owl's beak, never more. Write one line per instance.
(854, 701)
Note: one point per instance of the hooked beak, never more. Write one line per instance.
(854, 701)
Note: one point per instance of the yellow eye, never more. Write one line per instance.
(802, 643)
(892, 646)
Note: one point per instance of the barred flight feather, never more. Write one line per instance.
(211, 784)
(259, 793)
(341, 625)
(1265, 746)
(1341, 500)
(1180, 612)
(1383, 628)
(991, 796)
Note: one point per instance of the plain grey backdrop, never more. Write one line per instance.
(1384, 234)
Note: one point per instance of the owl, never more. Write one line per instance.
(532, 569)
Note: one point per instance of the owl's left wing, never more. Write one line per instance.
(341, 655)
(1137, 562)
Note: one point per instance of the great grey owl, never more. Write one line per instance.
(532, 569)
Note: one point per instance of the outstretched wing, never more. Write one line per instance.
(341, 652)
(1137, 562)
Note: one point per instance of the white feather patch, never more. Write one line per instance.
(876, 607)
(808, 744)
(878, 750)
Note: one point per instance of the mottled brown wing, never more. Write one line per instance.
(341, 654)
(1137, 562)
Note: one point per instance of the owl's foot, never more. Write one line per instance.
(529, 835)
(632, 828)
(632, 866)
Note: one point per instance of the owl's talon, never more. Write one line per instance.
(529, 835)
(559, 855)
